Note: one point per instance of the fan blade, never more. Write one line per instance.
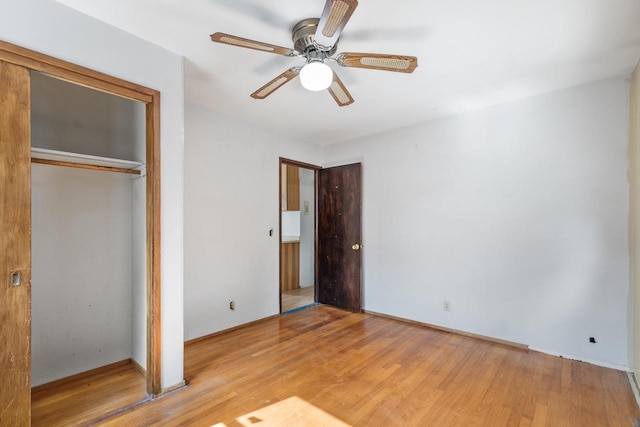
(252, 44)
(334, 17)
(376, 61)
(340, 92)
(276, 83)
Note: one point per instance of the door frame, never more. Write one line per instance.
(76, 74)
(285, 161)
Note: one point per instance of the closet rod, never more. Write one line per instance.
(85, 166)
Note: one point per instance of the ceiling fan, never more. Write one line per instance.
(316, 40)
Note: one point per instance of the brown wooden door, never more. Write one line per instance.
(15, 246)
(340, 237)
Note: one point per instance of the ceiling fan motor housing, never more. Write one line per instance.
(303, 35)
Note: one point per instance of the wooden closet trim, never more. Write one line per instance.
(154, 329)
(96, 80)
(286, 161)
(85, 166)
(74, 73)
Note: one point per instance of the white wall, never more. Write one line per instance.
(139, 271)
(307, 227)
(54, 29)
(517, 214)
(634, 217)
(76, 119)
(81, 275)
(84, 229)
(231, 203)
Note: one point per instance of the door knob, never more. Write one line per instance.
(355, 247)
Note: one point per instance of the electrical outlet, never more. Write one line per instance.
(232, 305)
(446, 305)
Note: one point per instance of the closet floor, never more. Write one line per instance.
(88, 396)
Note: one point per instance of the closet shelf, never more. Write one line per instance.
(64, 158)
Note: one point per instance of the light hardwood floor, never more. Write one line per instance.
(327, 367)
(297, 298)
(77, 400)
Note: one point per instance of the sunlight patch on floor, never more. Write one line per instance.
(293, 411)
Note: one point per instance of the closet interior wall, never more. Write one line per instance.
(88, 233)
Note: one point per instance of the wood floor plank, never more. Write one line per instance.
(82, 398)
(366, 370)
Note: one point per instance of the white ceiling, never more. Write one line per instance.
(471, 53)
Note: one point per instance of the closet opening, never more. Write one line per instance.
(89, 250)
(17, 68)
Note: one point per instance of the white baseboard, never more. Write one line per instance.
(582, 359)
(634, 387)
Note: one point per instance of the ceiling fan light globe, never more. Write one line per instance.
(316, 76)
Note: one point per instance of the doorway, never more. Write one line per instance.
(297, 235)
(334, 217)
